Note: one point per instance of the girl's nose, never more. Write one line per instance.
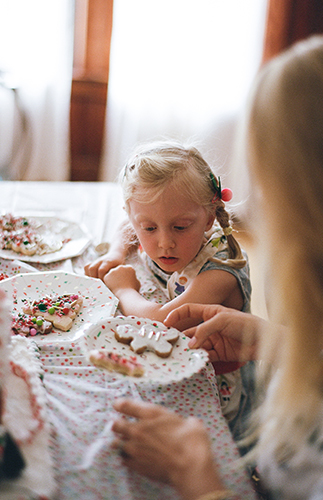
(166, 240)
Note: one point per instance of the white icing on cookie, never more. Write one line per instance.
(160, 342)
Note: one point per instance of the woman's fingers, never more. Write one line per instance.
(137, 409)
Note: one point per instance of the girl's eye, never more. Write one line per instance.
(180, 228)
(149, 229)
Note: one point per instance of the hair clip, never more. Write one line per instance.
(227, 230)
(221, 194)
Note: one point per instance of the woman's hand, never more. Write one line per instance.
(163, 446)
(227, 334)
(122, 278)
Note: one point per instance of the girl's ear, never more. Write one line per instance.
(210, 222)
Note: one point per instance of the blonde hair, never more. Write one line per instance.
(154, 166)
(285, 156)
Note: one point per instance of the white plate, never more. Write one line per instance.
(63, 229)
(182, 363)
(98, 301)
(9, 268)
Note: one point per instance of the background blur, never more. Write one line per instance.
(83, 81)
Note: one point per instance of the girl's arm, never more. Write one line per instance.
(209, 287)
(123, 243)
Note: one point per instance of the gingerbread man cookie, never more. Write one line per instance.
(146, 338)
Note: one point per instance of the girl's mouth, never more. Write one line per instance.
(169, 261)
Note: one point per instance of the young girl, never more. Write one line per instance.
(172, 199)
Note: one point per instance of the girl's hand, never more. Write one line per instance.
(123, 244)
(227, 334)
(101, 266)
(120, 278)
(163, 446)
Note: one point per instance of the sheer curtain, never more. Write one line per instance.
(182, 69)
(36, 45)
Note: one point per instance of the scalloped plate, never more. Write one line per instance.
(78, 236)
(182, 363)
(9, 268)
(99, 303)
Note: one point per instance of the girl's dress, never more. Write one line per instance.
(236, 387)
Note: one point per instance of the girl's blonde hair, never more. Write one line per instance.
(285, 155)
(154, 166)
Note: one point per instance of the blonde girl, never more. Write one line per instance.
(172, 199)
(176, 210)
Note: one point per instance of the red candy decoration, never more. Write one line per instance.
(226, 194)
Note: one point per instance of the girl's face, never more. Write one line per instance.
(170, 230)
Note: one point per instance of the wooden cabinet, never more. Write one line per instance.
(92, 39)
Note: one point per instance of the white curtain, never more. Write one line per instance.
(182, 69)
(36, 46)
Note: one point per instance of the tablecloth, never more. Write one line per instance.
(80, 396)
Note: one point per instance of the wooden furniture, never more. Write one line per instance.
(92, 38)
(290, 21)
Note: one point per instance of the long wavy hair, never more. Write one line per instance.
(285, 155)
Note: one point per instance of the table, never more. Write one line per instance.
(80, 397)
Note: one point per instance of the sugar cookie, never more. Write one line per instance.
(115, 362)
(61, 310)
(160, 342)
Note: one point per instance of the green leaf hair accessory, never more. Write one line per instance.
(219, 193)
(216, 184)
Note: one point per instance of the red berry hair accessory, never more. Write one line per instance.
(221, 194)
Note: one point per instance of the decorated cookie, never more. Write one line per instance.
(18, 234)
(60, 310)
(26, 325)
(9, 223)
(114, 362)
(26, 236)
(146, 338)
